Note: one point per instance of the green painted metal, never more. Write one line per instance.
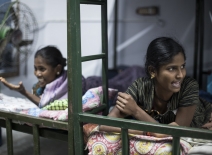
(104, 34)
(97, 110)
(36, 140)
(74, 77)
(125, 141)
(43, 132)
(93, 57)
(94, 2)
(74, 66)
(34, 120)
(176, 131)
(176, 146)
(9, 136)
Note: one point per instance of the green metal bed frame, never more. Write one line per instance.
(71, 131)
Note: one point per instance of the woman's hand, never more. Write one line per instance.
(20, 87)
(126, 104)
(208, 125)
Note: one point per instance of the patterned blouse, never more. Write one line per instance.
(37, 90)
(142, 91)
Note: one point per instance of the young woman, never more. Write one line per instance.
(167, 95)
(52, 78)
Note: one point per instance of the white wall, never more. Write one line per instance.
(176, 19)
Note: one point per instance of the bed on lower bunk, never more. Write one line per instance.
(35, 122)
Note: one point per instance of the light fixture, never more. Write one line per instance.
(149, 11)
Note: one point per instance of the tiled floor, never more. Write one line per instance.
(23, 145)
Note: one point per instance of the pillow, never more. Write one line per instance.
(57, 105)
(94, 97)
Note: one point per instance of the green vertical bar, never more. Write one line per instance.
(105, 60)
(74, 77)
(9, 136)
(176, 146)
(125, 141)
(36, 140)
(70, 13)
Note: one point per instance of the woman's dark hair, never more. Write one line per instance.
(161, 52)
(52, 56)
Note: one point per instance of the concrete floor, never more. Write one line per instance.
(23, 145)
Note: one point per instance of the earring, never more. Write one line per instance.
(152, 76)
(58, 73)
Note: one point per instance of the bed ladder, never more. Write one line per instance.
(75, 59)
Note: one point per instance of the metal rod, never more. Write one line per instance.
(75, 139)
(94, 2)
(104, 35)
(177, 131)
(115, 35)
(125, 141)
(93, 57)
(196, 40)
(36, 139)
(176, 146)
(9, 136)
(201, 40)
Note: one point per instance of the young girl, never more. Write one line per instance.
(52, 78)
(167, 95)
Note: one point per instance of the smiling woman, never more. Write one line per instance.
(167, 95)
(52, 77)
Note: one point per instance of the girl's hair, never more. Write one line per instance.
(161, 52)
(52, 56)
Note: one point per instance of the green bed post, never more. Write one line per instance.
(104, 35)
(9, 136)
(74, 77)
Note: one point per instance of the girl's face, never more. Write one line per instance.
(44, 72)
(170, 76)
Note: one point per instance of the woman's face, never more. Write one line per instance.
(44, 72)
(170, 76)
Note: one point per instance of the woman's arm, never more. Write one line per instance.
(185, 115)
(127, 105)
(115, 112)
(21, 89)
(35, 99)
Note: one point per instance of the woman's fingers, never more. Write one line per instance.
(120, 104)
(119, 107)
(208, 125)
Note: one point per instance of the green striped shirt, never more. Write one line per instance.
(142, 91)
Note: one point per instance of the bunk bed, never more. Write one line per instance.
(124, 124)
(72, 130)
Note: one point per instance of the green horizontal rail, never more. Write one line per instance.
(43, 132)
(175, 131)
(94, 2)
(93, 57)
(34, 120)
